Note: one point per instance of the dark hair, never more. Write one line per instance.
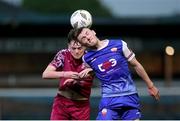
(73, 34)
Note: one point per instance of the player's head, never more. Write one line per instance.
(76, 49)
(85, 36)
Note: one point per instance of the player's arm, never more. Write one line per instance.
(140, 71)
(51, 73)
(57, 64)
(88, 72)
(136, 65)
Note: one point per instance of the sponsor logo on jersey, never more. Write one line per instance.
(107, 65)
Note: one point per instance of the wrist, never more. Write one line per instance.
(150, 87)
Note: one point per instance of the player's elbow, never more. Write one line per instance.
(44, 75)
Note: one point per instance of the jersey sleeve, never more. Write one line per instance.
(58, 60)
(127, 52)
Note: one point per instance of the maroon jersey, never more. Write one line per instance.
(64, 61)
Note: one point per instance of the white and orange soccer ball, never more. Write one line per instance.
(81, 18)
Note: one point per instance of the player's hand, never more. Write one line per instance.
(69, 81)
(153, 91)
(71, 74)
(85, 73)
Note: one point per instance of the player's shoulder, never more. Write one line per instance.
(88, 54)
(63, 51)
(116, 42)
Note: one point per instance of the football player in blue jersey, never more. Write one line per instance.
(109, 60)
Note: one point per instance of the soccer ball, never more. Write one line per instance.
(81, 18)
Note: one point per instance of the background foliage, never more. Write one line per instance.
(66, 6)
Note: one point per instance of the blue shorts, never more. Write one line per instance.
(119, 108)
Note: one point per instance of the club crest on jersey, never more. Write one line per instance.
(107, 65)
(114, 49)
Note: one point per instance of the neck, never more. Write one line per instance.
(101, 44)
(98, 44)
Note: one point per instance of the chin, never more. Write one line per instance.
(77, 57)
(91, 45)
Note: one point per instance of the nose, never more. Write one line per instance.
(76, 51)
(88, 36)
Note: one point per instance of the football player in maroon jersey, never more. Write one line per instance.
(72, 99)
